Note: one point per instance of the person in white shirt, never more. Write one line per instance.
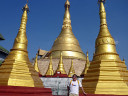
(73, 87)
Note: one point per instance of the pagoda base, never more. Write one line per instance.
(24, 91)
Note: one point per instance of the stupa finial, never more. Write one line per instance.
(102, 1)
(67, 14)
(67, 4)
(26, 7)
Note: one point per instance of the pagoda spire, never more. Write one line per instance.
(67, 14)
(71, 71)
(107, 74)
(36, 63)
(50, 71)
(61, 65)
(86, 66)
(16, 69)
(105, 43)
(66, 42)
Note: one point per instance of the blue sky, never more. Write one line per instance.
(46, 17)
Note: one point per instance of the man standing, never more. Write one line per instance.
(73, 87)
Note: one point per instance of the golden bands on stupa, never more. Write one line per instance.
(107, 74)
(66, 42)
(16, 70)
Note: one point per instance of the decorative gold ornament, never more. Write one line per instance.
(16, 70)
(66, 42)
(71, 71)
(107, 74)
(61, 65)
(86, 65)
(50, 71)
(36, 63)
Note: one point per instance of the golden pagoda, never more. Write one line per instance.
(36, 63)
(107, 74)
(16, 69)
(71, 71)
(61, 65)
(86, 66)
(66, 42)
(50, 71)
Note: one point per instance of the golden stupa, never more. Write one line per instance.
(66, 42)
(68, 45)
(50, 71)
(61, 65)
(16, 70)
(86, 66)
(107, 74)
(71, 71)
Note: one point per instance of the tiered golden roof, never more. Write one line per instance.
(71, 71)
(16, 70)
(36, 63)
(66, 42)
(107, 74)
(86, 66)
(61, 65)
(50, 71)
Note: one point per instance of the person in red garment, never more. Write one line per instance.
(73, 87)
